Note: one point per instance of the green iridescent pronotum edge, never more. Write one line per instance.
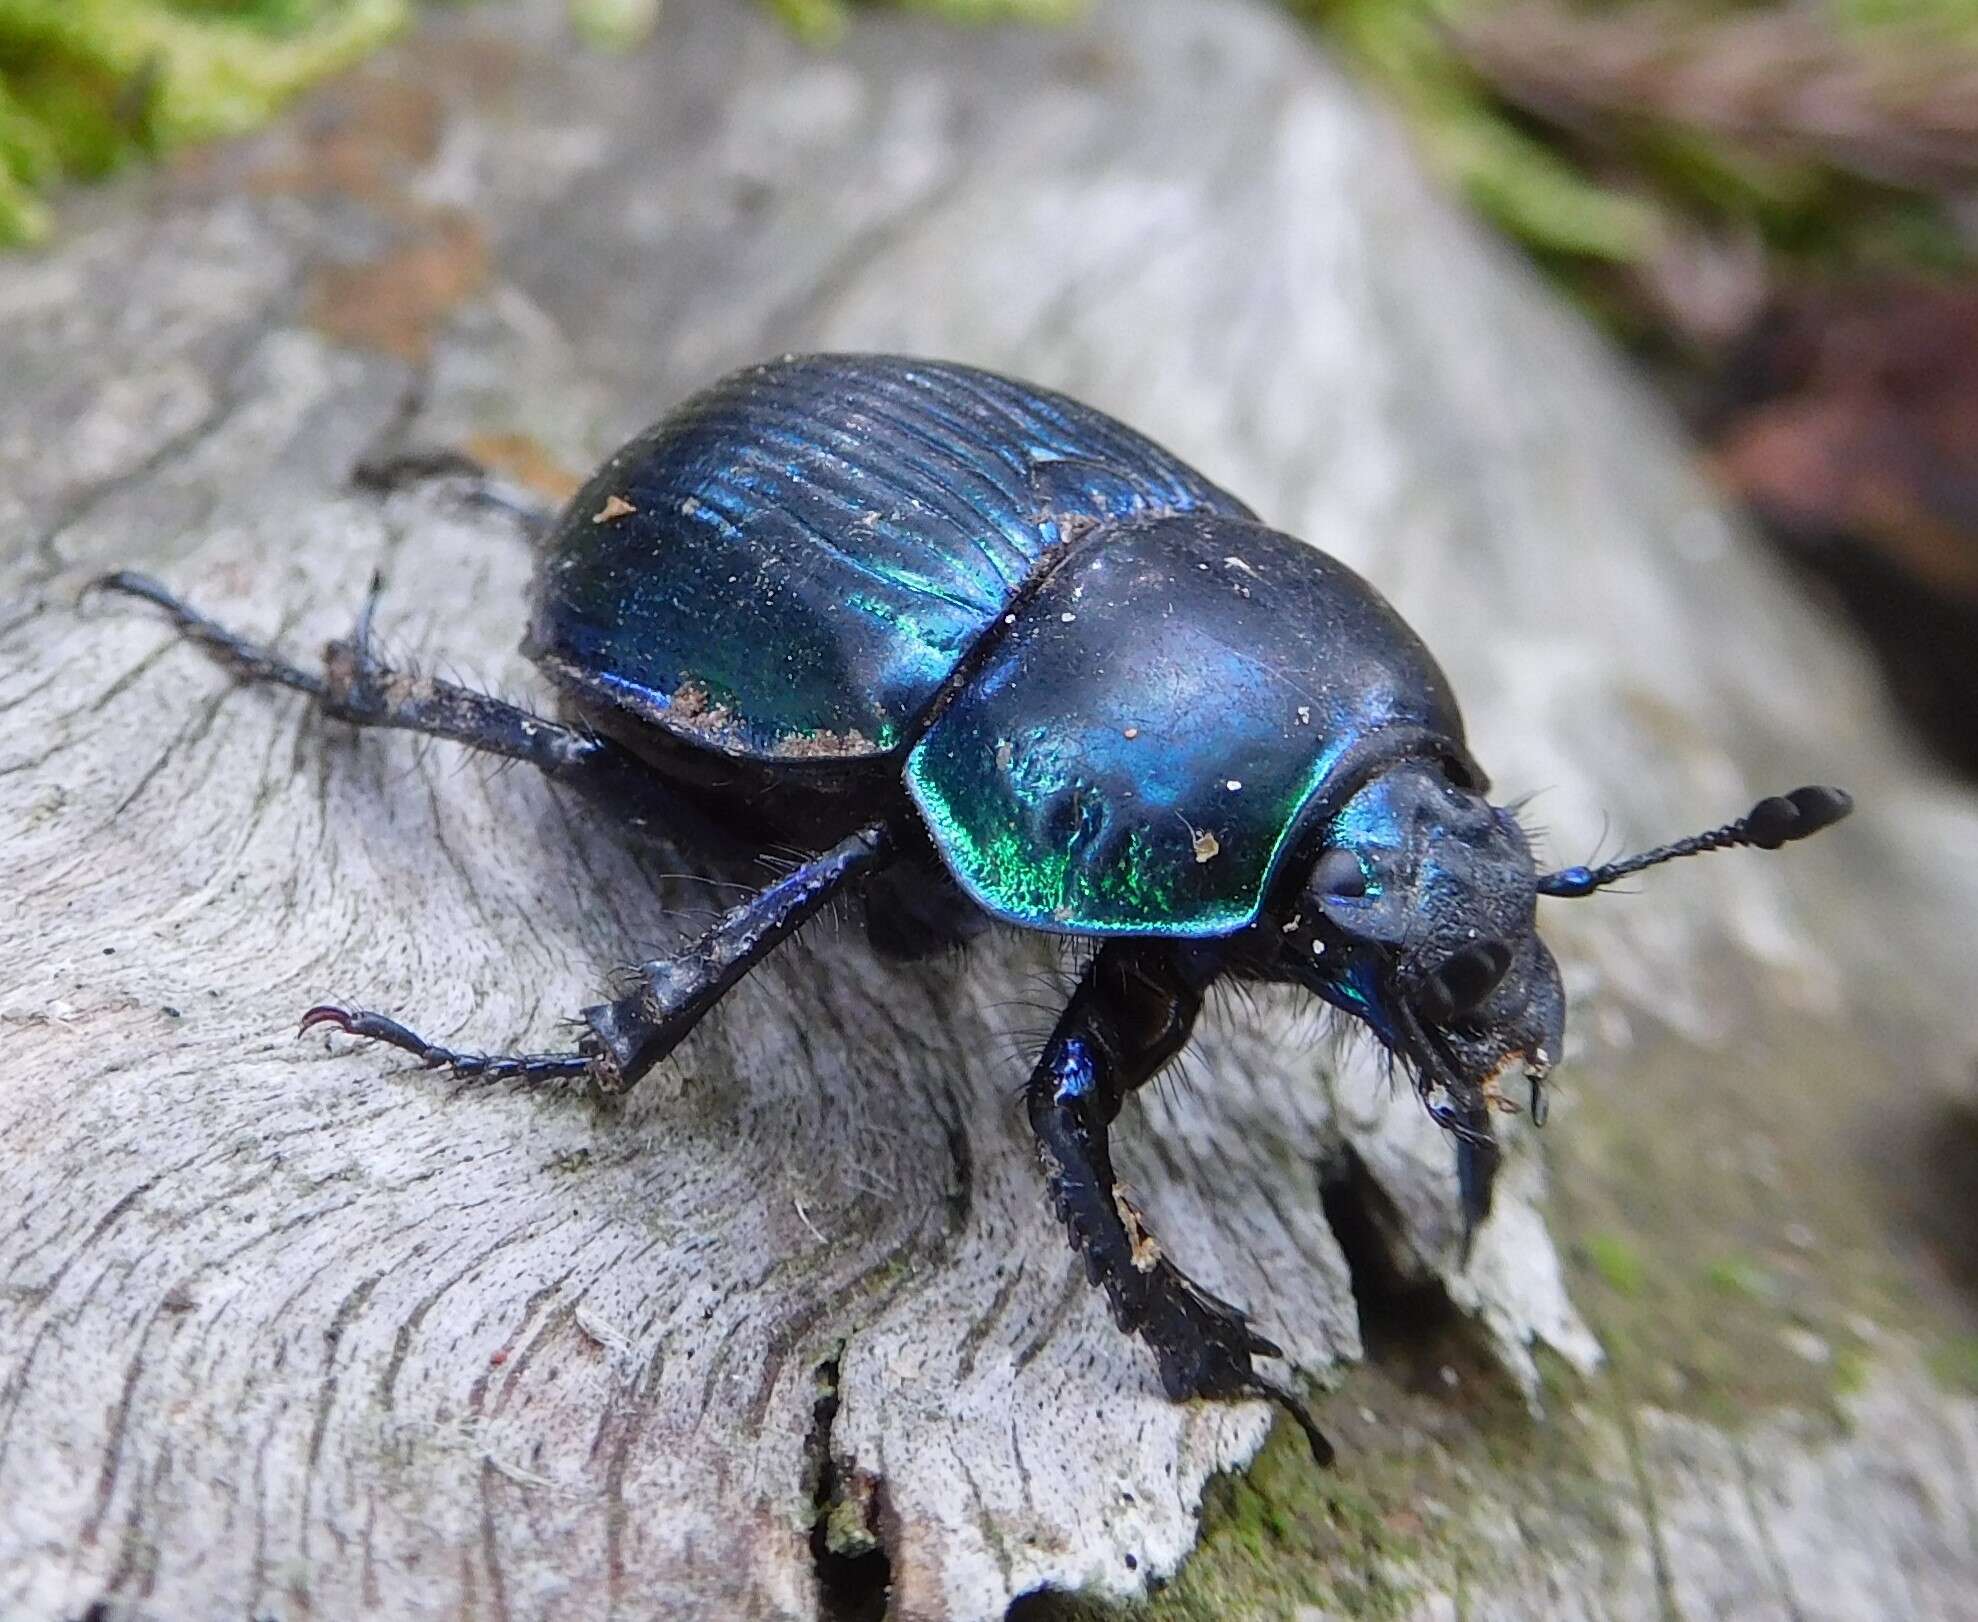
(1142, 746)
(1145, 884)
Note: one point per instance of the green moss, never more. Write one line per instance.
(1957, 19)
(1414, 1507)
(89, 86)
(1515, 179)
(614, 25)
(1717, 1216)
(1618, 184)
(28, 162)
(846, 1531)
(1735, 1275)
(1616, 1261)
(1954, 1363)
(1851, 1370)
(822, 21)
(182, 74)
(1286, 1534)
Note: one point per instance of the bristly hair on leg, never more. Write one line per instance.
(1311, 1024)
(781, 860)
(1340, 1034)
(1180, 1076)
(1229, 990)
(1075, 955)
(1023, 1044)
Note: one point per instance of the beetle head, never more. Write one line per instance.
(1419, 916)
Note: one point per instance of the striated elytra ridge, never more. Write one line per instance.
(1066, 632)
(795, 561)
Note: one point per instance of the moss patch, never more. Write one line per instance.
(1617, 1262)
(1420, 1504)
(1635, 164)
(1725, 1235)
(87, 85)
(1735, 1275)
(1954, 1363)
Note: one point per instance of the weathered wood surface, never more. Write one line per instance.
(288, 1332)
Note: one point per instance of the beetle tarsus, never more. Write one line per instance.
(464, 1066)
(1315, 1439)
(625, 1038)
(251, 661)
(1204, 1347)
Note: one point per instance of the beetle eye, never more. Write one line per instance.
(1463, 981)
(1339, 875)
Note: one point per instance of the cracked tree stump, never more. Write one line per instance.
(290, 1330)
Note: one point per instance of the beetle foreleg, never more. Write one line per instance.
(1130, 1015)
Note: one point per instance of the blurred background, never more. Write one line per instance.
(1773, 207)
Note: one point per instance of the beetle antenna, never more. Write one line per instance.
(1766, 826)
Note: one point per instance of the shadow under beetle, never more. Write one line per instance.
(993, 655)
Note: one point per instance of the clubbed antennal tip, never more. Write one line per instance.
(1769, 824)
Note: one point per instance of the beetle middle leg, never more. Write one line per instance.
(1131, 1013)
(626, 1037)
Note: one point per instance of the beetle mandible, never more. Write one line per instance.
(1030, 668)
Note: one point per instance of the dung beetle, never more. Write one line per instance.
(992, 655)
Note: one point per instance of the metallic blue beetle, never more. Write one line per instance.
(993, 655)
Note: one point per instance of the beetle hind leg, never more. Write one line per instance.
(354, 687)
(250, 661)
(1130, 1014)
(406, 468)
